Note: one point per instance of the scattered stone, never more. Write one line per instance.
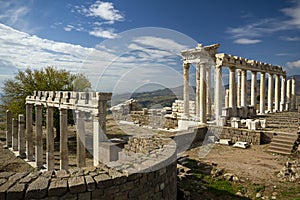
(258, 195)
(217, 172)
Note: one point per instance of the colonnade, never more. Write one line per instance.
(82, 103)
(280, 93)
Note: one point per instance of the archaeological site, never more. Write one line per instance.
(160, 153)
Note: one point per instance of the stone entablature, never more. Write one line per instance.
(228, 60)
(82, 101)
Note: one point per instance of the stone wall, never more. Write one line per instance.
(136, 178)
(237, 134)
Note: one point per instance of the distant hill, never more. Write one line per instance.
(165, 97)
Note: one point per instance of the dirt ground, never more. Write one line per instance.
(254, 167)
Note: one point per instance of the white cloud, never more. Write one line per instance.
(106, 11)
(294, 64)
(264, 27)
(292, 39)
(294, 14)
(246, 41)
(99, 32)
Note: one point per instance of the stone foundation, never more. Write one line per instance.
(148, 175)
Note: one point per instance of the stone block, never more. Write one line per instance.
(85, 196)
(16, 192)
(38, 188)
(103, 180)
(77, 184)
(97, 194)
(62, 174)
(90, 183)
(58, 188)
(30, 177)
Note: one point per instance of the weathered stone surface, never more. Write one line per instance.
(84, 196)
(97, 194)
(69, 196)
(103, 180)
(30, 177)
(48, 174)
(38, 188)
(16, 192)
(62, 174)
(77, 184)
(2, 180)
(58, 188)
(6, 174)
(90, 183)
(10, 182)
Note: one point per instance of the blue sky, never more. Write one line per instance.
(111, 42)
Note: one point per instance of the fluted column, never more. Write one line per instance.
(208, 91)
(270, 92)
(197, 103)
(293, 94)
(80, 115)
(232, 90)
(253, 89)
(186, 89)
(239, 80)
(282, 91)
(29, 132)
(218, 91)
(39, 136)
(276, 97)
(63, 122)
(8, 129)
(50, 139)
(262, 92)
(288, 95)
(202, 93)
(244, 88)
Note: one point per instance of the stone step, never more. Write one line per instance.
(280, 150)
(281, 144)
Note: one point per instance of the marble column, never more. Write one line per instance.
(226, 98)
(8, 129)
(218, 91)
(14, 134)
(293, 94)
(276, 97)
(99, 130)
(50, 140)
(253, 89)
(80, 115)
(239, 80)
(208, 91)
(186, 89)
(288, 95)
(232, 90)
(244, 88)
(270, 92)
(21, 136)
(63, 125)
(39, 136)
(282, 91)
(202, 98)
(29, 132)
(197, 103)
(262, 92)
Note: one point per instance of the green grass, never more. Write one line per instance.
(218, 187)
(259, 188)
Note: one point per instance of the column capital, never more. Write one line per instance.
(186, 65)
(232, 68)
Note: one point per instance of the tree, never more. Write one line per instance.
(25, 82)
